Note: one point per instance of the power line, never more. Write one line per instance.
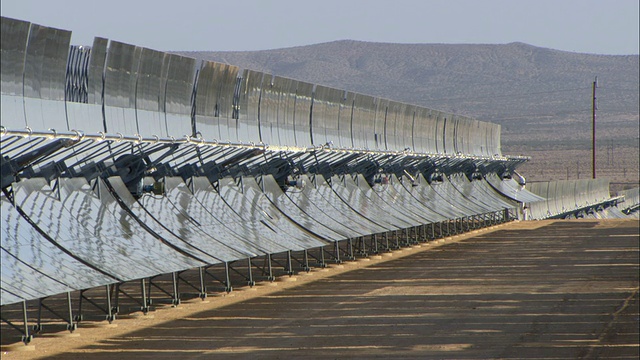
(524, 116)
(510, 95)
(617, 88)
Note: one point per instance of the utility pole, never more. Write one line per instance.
(594, 107)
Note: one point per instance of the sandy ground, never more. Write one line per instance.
(544, 289)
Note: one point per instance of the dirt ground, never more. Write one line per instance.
(545, 289)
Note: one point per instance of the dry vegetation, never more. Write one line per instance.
(541, 97)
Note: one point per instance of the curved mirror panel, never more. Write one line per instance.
(344, 120)
(179, 92)
(207, 122)
(302, 114)
(249, 106)
(14, 35)
(380, 129)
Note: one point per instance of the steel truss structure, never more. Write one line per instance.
(133, 174)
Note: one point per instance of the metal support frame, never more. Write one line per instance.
(250, 280)
(71, 325)
(322, 263)
(174, 295)
(26, 335)
(228, 287)
(176, 289)
(269, 273)
(110, 311)
(284, 264)
(266, 268)
(397, 239)
(202, 293)
(203, 289)
(144, 302)
(304, 263)
(334, 253)
(289, 268)
(337, 253)
(350, 254)
(226, 282)
(374, 243)
(319, 258)
(387, 248)
(361, 247)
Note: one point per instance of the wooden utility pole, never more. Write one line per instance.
(594, 107)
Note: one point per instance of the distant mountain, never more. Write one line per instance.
(532, 91)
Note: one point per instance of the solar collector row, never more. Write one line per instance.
(133, 90)
(74, 233)
(563, 196)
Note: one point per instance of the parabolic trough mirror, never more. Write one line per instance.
(121, 164)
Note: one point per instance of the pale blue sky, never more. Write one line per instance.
(588, 26)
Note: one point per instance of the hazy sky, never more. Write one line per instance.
(589, 26)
